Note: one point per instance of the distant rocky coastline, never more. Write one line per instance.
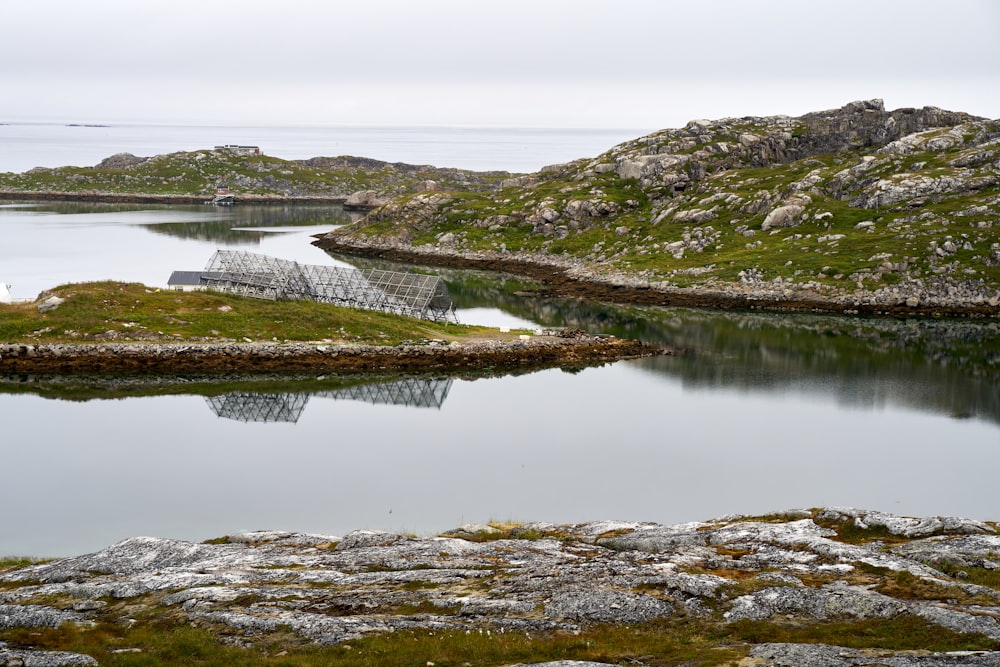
(733, 577)
(139, 198)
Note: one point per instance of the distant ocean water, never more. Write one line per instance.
(27, 145)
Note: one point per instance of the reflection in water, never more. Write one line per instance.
(216, 224)
(255, 407)
(411, 392)
(231, 224)
(288, 406)
(946, 366)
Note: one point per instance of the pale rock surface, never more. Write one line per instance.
(556, 577)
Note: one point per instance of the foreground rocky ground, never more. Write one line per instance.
(796, 570)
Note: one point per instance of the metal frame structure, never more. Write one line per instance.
(264, 277)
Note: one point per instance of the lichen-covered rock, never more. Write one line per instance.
(35, 616)
(30, 658)
(536, 578)
(605, 606)
(821, 655)
(364, 199)
(831, 601)
(983, 621)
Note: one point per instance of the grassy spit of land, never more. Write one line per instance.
(128, 327)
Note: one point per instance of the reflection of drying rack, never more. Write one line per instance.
(257, 407)
(288, 406)
(263, 277)
(412, 392)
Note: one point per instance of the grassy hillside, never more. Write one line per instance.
(855, 198)
(198, 173)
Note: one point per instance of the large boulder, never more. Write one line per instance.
(789, 214)
(364, 199)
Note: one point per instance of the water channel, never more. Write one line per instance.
(755, 413)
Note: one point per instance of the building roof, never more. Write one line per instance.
(185, 278)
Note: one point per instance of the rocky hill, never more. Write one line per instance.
(834, 587)
(193, 176)
(856, 208)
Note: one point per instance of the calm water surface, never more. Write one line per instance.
(757, 413)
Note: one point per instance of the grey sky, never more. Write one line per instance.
(570, 63)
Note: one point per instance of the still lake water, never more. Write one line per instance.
(759, 412)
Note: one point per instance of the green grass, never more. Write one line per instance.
(851, 533)
(977, 575)
(9, 563)
(176, 643)
(131, 311)
(677, 641)
(905, 586)
(903, 633)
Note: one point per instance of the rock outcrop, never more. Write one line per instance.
(192, 177)
(858, 206)
(793, 569)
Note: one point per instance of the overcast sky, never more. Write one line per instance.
(536, 63)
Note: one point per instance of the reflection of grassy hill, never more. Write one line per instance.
(232, 228)
(83, 388)
(223, 224)
(198, 173)
(86, 388)
(946, 365)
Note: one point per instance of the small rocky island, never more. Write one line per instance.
(832, 587)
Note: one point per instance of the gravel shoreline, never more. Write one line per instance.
(139, 357)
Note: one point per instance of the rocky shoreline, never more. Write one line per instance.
(562, 348)
(797, 569)
(572, 278)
